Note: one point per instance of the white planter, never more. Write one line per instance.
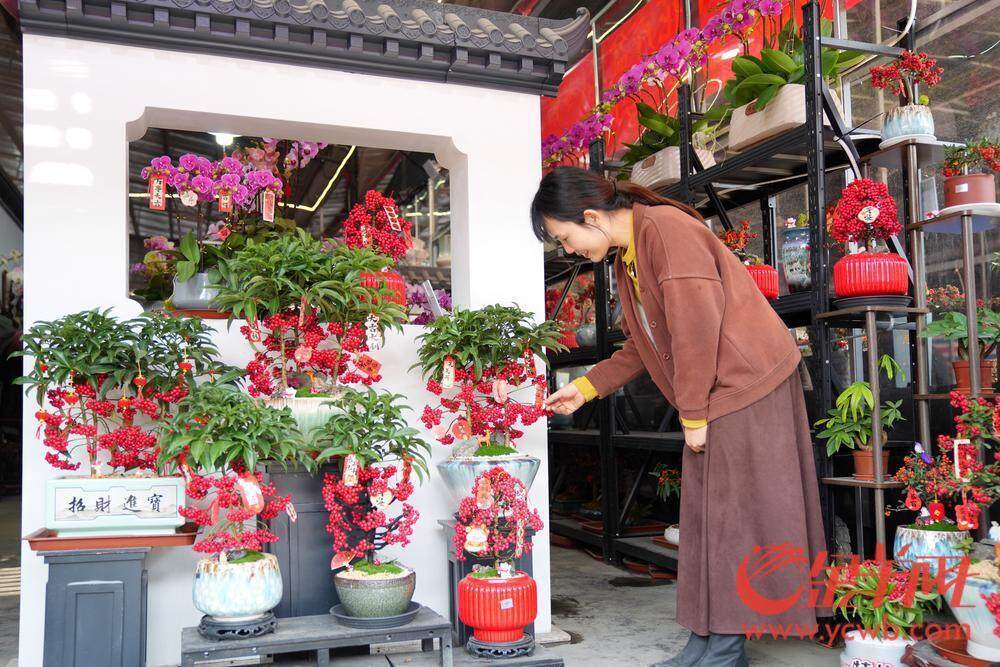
(785, 112)
(672, 534)
(310, 412)
(237, 591)
(972, 612)
(114, 505)
(194, 294)
(664, 167)
(861, 650)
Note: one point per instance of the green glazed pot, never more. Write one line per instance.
(375, 598)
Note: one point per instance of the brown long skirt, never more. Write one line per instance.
(751, 526)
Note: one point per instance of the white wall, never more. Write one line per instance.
(88, 99)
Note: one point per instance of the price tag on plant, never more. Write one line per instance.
(373, 334)
(267, 212)
(367, 365)
(158, 193)
(189, 197)
(351, 470)
(868, 214)
(225, 202)
(364, 236)
(448, 373)
(339, 560)
(506, 603)
(539, 395)
(382, 500)
(519, 546)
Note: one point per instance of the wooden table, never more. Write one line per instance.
(320, 634)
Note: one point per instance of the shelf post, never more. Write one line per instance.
(873, 379)
(919, 346)
(969, 277)
(684, 139)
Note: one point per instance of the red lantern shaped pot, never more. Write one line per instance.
(498, 609)
(766, 278)
(393, 279)
(871, 274)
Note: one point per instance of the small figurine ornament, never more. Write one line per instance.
(475, 539)
(505, 569)
(484, 494)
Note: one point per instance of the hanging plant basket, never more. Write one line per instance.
(871, 274)
(766, 278)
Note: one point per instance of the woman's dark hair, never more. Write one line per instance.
(566, 192)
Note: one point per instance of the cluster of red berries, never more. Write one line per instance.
(859, 195)
(369, 226)
(131, 448)
(993, 606)
(909, 66)
(984, 153)
(249, 540)
(506, 517)
(976, 417)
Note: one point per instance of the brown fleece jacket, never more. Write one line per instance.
(719, 346)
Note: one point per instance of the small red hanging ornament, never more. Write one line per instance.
(967, 515)
(936, 509)
(912, 500)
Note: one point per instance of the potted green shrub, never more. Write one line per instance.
(655, 158)
(849, 423)
(767, 92)
(104, 387)
(954, 326)
(477, 362)
(378, 455)
(883, 604)
(668, 483)
(309, 317)
(968, 174)
(215, 439)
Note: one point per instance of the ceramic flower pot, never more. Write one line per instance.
(864, 464)
(672, 534)
(786, 111)
(795, 258)
(909, 120)
(310, 412)
(194, 294)
(913, 545)
(766, 278)
(96, 506)
(969, 190)
(870, 274)
(375, 596)
(987, 371)
(393, 279)
(460, 473)
(237, 591)
(498, 609)
(860, 648)
(586, 335)
(664, 167)
(972, 612)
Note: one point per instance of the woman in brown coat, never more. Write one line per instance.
(695, 321)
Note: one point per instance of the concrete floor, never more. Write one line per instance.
(10, 577)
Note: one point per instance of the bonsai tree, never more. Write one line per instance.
(849, 423)
(880, 598)
(865, 214)
(954, 326)
(901, 76)
(475, 361)
(310, 319)
(668, 481)
(975, 156)
(216, 439)
(493, 522)
(378, 453)
(104, 385)
(737, 241)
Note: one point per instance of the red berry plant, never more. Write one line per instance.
(494, 521)
(976, 156)
(367, 500)
(901, 76)
(312, 322)
(104, 386)
(376, 223)
(477, 362)
(215, 440)
(865, 214)
(738, 240)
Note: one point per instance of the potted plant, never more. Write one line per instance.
(419, 308)
(885, 603)
(310, 324)
(156, 269)
(655, 159)
(978, 607)
(764, 276)
(795, 253)
(476, 362)
(849, 423)
(912, 118)
(866, 214)
(767, 91)
(968, 172)
(495, 522)
(375, 223)
(104, 386)
(668, 483)
(953, 326)
(216, 439)
(378, 453)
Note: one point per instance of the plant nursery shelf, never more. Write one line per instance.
(574, 530)
(858, 313)
(951, 223)
(577, 357)
(947, 396)
(929, 154)
(650, 441)
(862, 483)
(794, 309)
(644, 548)
(580, 438)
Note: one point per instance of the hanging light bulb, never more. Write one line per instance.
(223, 139)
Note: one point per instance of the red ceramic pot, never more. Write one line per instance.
(393, 279)
(871, 274)
(864, 464)
(766, 278)
(498, 609)
(987, 371)
(969, 189)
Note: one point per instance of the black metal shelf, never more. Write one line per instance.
(644, 548)
(576, 357)
(580, 438)
(649, 441)
(929, 154)
(571, 528)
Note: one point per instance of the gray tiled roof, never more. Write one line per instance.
(409, 38)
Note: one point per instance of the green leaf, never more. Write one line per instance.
(777, 62)
(744, 67)
(766, 96)
(797, 74)
(185, 270)
(189, 248)
(829, 60)
(849, 59)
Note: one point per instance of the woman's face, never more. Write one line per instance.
(590, 240)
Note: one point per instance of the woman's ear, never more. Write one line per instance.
(592, 216)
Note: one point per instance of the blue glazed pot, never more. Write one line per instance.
(972, 612)
(237, 591)
(908, 120)
(795, 258)
(460, 473)
(928, 546)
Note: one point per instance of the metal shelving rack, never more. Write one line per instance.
(801, 156)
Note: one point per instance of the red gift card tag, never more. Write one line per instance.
(500, 390)
(539, 395)
(340, 560)
(225, 202)
(367, 365)
(460, 429)
(249, 489)
(268, 211)
(158, 193)
(448, 373)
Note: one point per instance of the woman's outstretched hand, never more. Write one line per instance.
(566, 401)
(695, 438)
